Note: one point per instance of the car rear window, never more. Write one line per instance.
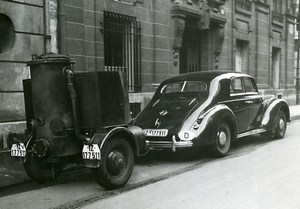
(184, 86)
(237, 86)
(250, 85)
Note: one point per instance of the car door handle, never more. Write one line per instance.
(249, 102)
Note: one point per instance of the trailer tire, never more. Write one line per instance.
(117, 164)
(41, 171)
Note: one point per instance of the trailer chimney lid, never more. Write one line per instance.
(51, 58)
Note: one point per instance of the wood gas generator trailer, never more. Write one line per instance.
(77, 117)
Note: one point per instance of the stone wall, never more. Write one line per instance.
(26, 38)
(25, 30)
(84, 40)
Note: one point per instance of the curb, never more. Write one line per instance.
(295, 117)
(11, 170)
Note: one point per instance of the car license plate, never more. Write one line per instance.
(91, 152)
(156, 132)
(18, 150)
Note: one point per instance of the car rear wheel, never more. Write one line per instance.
(117, 164)
(223, 141)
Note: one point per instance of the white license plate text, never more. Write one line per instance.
(156, 132)
(18, 150)
(91, 152)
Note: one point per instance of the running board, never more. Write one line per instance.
(248, 133)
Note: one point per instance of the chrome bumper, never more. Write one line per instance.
(168, 144)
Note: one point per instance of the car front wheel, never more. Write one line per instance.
(223, 141)
(280, 128)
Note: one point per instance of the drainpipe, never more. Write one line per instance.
(232, 35)
(154, 42)
(95, 33)
(61, 26)
(297, 72)
(47, 38)
(298, 57)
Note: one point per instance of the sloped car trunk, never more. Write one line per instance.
(168, 112)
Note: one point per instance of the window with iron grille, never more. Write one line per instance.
(277, 11)
(122, 47)
(244, 4)
(277, 6)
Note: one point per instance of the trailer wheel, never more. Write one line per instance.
(117, 164)
(41, 171)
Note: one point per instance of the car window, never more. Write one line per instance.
(185, 86)
(195, 86)
(250, 85)
(172, 87)
(237, 86)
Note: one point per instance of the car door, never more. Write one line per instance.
(237, 103)
(254, 101)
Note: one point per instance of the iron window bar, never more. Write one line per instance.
(244, 4)
(276, 16)
(122, 47)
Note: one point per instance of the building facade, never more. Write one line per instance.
(153, 40)
(149, 39)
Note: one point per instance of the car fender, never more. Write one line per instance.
(134, 135)
(209, 120)
(270, 115)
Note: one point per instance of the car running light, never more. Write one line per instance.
(186, 135)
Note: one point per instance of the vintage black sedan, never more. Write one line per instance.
(210, 108)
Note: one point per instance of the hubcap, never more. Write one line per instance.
(222, 138)
(281, 124)
(115, 162)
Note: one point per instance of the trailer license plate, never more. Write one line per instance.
(91, 152)
(156, 132)
(18, 150)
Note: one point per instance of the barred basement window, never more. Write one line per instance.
(277, 6)
(277, 11)
(122, 47)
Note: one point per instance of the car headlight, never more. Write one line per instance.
(186, 135)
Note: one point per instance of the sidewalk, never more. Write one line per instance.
(295, 112)
(12, 172)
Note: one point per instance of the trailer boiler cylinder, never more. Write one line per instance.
(51, 105)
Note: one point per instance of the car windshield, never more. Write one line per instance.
(184, 86)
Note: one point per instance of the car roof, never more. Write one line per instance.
(208, 75)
